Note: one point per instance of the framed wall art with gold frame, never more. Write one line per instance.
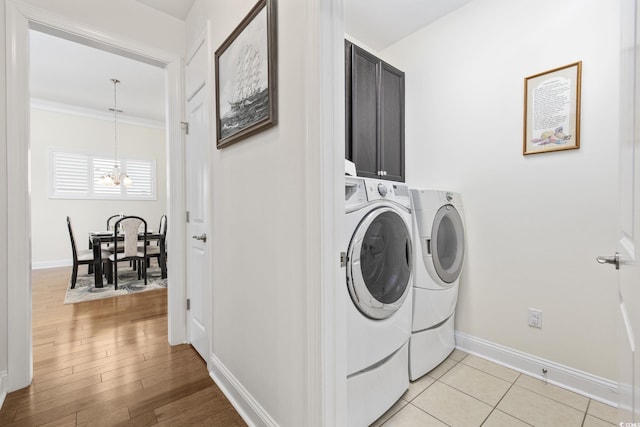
(552, 110)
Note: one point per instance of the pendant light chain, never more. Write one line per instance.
(116, 177)
(115, 122)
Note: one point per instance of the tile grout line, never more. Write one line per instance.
(501, 399)
(435, 380)
(439, 380)
(586, 411)
(422, 410)
(600, 419)
(493, 407)
(489, 374)
(534, 391)
(495, 376)
(394, 414)
(551, 398)
(459, 391)
(467, 394)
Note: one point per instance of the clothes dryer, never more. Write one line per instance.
(378, 292)
(439, 255)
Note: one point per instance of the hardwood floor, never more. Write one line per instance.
(108, 362)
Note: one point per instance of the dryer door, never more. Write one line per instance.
(447, 243)
(379, 263)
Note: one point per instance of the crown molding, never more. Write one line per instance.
(74, 110)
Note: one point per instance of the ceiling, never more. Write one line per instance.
(71, 73)
(175, 8)
(68, 72)
(380, 23)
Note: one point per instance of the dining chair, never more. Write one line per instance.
(111, 218)
(81, 257)
(160, 250)
(107, 245)
(130, 227)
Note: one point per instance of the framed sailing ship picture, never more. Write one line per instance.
(246, 77)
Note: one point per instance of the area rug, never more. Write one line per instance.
(128, 283)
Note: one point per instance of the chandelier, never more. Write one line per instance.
(115, 177)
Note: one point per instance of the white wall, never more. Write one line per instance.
(259, 294)
(56, 130)
(534, 224)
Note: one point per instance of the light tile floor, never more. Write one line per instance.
(466, 390)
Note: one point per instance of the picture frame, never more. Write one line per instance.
(552, 110)
(246, 77)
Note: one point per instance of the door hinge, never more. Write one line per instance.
(188, 304)
(188, 216)
(185, 126)
(343, 259)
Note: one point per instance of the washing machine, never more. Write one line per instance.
(439, 254)
(378, 290)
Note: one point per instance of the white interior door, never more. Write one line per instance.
(197, 200)
(629, 238)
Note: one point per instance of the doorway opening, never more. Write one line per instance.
(20, 21)
(76, 138)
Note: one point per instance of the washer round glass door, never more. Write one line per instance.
(447, 243)
(379, 263)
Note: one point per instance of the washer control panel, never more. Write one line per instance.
(386, 190)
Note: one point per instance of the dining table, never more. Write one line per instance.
(97, 238)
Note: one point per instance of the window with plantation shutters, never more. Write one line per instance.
(142, 173)
(77, 176)
(70, 172)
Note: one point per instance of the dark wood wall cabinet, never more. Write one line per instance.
(374, 115)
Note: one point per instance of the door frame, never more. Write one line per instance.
(325, 123)
(20, 18)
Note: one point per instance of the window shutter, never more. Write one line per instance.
(70, 173)
(142, 173)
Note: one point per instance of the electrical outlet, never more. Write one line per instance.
(535, 318)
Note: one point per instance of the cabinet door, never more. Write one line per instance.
(365, 69)
(392, 122)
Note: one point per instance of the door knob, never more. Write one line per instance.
(202, 237)
(615, 260)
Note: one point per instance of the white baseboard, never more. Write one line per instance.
(592, 386)
(249, 409)
(52, 264)
(3, 387)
